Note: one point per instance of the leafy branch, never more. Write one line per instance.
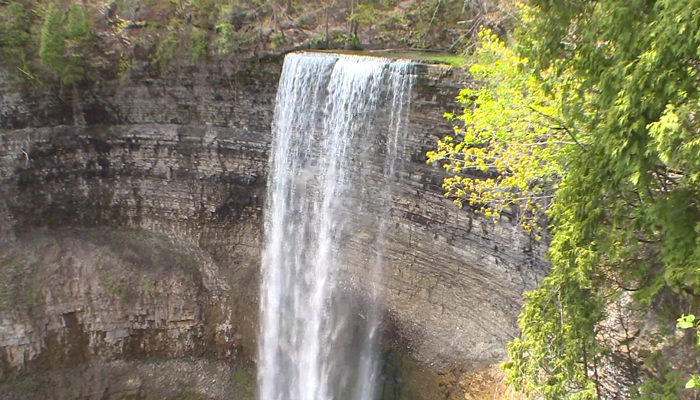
(506, 153)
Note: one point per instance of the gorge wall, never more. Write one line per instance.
(131, 245)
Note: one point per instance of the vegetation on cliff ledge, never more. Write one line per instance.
(47, 41)
(602, 137)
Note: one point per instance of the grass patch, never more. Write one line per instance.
(449, 59)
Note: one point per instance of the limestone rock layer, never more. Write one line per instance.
(138, 237)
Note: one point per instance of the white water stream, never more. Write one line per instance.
(329, 108)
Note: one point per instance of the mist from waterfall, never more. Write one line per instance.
(333, 112)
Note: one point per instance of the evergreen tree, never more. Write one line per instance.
(66, 41)
(14, 34)
(79, 41)
(53, 45)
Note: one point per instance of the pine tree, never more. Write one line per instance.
(79, 39)
(14, 27)
(53, 45)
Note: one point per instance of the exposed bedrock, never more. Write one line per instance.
(136, 239)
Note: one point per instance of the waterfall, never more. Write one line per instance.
(336, 116)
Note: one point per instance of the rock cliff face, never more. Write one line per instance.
(455, 280)
(137, 238)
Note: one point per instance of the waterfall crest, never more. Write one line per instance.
(332, 113)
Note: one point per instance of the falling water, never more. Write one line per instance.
(331, 111)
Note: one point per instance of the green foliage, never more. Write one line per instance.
(318, 41)
(393, 21)
(76, 39)
(227, 34)
(21, 288)
(308, 21)
(66, 41)
(125, 64)
(199, 44)
(231, 40)
(688, 322)
(666, 389)
(453, 60)
(277, 39)
(610, 129)
(237, 25)
(354, 42)
(203, 11)
(167, 48)
(78, 30)
(148, 286)
(14, 30)
(507, 153)
(364, 14)
(79, 41)
(243, 379)
(338, 37)
(625, 216)
(53, 44)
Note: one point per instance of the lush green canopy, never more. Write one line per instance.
(625, 220)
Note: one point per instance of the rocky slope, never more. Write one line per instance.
(137, 238)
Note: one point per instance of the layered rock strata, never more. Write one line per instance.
(173, 169)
